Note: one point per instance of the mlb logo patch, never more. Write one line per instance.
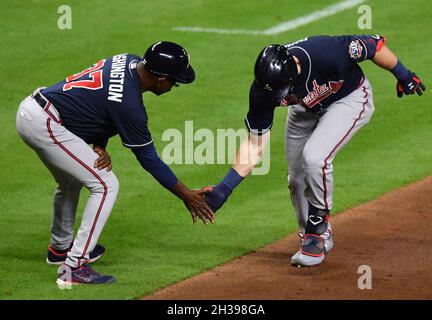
(355, 49)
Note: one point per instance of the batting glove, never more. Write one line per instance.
(410, 85)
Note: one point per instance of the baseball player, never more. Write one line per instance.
(330, 99)
(61, 121)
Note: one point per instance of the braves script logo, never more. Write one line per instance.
(355, 49)
(320, 92)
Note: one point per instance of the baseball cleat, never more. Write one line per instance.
(301, 260)
(327, 237)
(58, 257)
(311, 253)
(328, 244)
(67, 276)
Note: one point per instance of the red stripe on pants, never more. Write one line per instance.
(93, 173)
(334, 149)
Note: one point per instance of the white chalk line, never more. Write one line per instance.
(285, 26)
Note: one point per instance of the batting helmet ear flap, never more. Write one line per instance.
(275, 68)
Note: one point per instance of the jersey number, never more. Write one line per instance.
(94, 83)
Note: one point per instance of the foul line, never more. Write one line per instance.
(285, 26)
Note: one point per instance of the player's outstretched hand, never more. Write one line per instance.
(104, 160)
(198, 207)
(411, 85)
(194, 202)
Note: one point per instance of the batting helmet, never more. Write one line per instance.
(169, 59)
(275, 68)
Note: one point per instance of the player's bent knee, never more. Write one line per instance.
(313, 164)
(106, 183)
(312, 160)
(112, 183)
(296, 178)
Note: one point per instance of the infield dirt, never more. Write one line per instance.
(390, 234)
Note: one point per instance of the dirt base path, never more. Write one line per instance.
(391, 234)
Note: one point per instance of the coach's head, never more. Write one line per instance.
(164, 65)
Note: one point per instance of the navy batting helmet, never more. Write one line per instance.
(275, 68)
(169, 59)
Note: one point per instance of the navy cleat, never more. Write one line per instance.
(58, 257)
(68, 276)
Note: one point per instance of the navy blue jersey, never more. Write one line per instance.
(102, 101)
(329, 72)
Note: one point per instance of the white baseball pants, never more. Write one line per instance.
(70, 160)
(312, 142)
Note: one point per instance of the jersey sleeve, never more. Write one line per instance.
(262, 104)
(358, 48)
(130, 118)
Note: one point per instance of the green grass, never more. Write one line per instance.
(150, 239)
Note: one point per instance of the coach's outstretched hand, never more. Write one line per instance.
(194, 202)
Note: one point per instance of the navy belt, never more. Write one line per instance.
(40, 100)
(317, 110)
(47, 106)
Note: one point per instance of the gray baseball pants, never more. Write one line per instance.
(71, 162)
(312, 142)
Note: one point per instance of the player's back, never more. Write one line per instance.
(328, 52)
(83, 99)
(325, 61)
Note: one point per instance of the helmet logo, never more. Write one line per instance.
(268, 87)
(144, 61)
